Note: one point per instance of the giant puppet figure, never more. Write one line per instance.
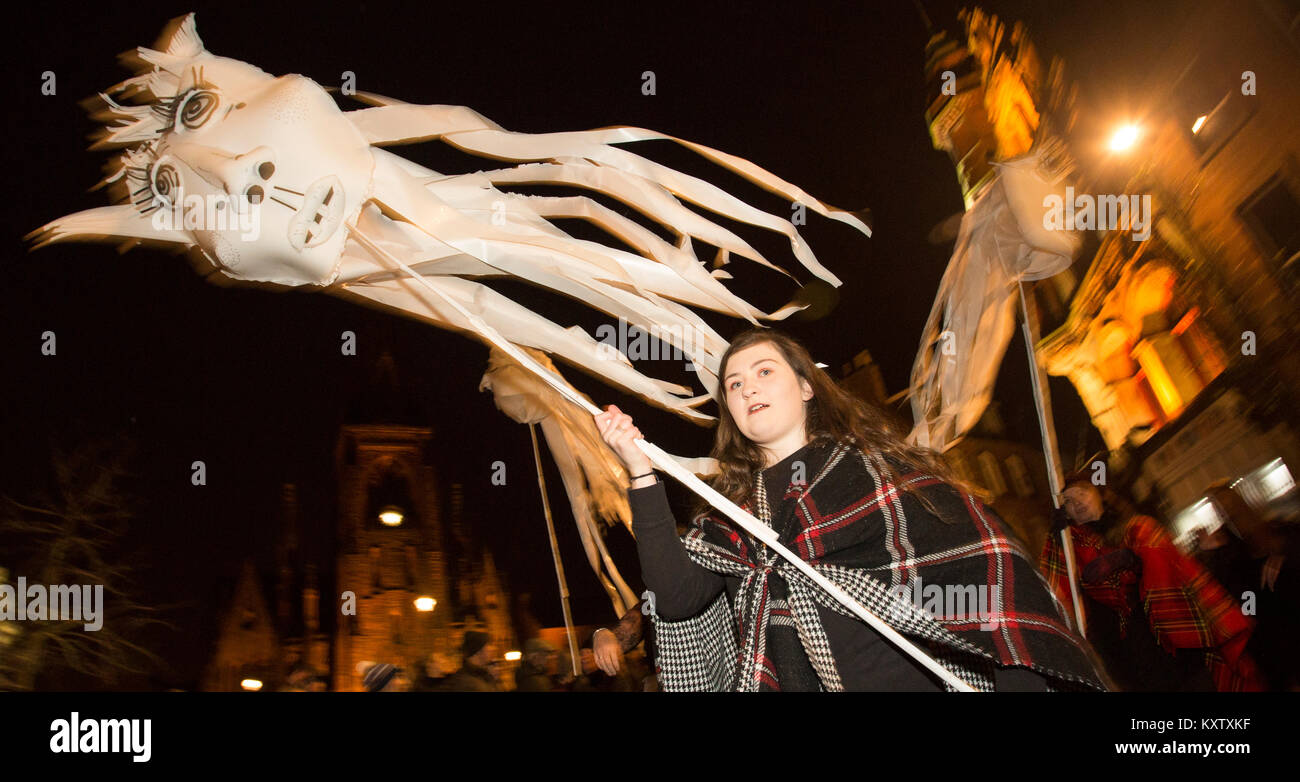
(267, 180)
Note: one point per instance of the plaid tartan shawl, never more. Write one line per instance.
(1185, 607)
(854, 524)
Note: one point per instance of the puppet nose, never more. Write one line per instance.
(247, 175)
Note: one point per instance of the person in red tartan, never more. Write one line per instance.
(1158, 619)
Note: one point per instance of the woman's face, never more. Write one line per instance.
(765, 396)
(1082, 503)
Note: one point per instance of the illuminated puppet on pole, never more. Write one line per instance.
(267, 180)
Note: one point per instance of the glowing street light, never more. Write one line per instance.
(252, 685)
(1196, 126)
(1124, 138)
(425, 603)
(513, 656)
(391, 516)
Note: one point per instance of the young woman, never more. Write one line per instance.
(1159, 621)
(877, 517)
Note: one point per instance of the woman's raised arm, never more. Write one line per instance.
(680, 586)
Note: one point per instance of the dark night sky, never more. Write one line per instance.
(253, 383)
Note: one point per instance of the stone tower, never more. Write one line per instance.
(396, 554)
(389, 551)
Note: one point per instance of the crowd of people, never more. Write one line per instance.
(610, 662)
(1222, 616)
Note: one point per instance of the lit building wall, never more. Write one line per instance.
(1174, 342)
(1152, 331)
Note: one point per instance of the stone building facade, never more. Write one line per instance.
(387, 567)
(1180, 340)
(400, 582)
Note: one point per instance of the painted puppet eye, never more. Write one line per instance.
(165, 182)
(196, 108)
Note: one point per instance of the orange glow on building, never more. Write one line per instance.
(1161, 383)
(1186, 321)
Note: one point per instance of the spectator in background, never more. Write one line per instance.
(534, 673)
(1159, 620)
(1254, 560)
(475, 674)
(434, 676)
(565, 679)
(610, 645)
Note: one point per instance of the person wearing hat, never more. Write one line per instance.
(533, 675)
(384, 677)
(1159, 620)
(475, 675)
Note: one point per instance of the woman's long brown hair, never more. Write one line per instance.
(832, 415)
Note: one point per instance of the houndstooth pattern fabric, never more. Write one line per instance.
(697, 654)
(724, 650)
(707, 642)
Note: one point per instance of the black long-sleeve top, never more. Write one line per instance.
(865, 660)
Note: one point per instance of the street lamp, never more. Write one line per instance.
(391, 516)
(1124, 138)
(252, 685)
(425, 604)
(513, 656)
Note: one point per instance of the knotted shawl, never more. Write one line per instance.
(855, 524)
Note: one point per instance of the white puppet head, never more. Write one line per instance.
(258, 172)
(272, 182)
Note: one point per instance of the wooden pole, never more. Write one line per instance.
(1043, 404)
(555, 554)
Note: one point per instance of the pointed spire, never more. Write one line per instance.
(383, 398)
(286, 557)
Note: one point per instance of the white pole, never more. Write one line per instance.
(664, 461)
(1043, 404)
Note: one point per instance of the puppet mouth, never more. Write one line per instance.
(320, 215)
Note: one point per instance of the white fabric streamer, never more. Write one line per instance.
(1003, 239)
